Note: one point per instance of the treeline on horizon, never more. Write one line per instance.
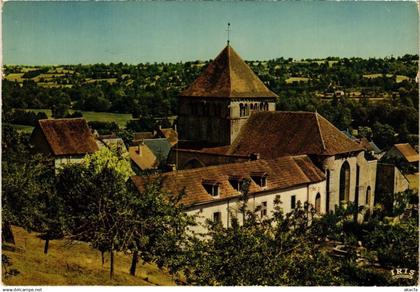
(380, 95)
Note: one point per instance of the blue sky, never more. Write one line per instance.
(134, 32)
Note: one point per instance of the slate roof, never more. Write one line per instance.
(275, 134)
(159, 146)
(228, 76)
(282, 173)
(68, 136)
(369, 145)
(407, 152)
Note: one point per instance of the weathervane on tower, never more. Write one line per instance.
(228, 33)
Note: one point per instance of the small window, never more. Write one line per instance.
(293, 202)
(263, 209)
(212, 187)
(260, 178)
(217, 217)
(236, 182)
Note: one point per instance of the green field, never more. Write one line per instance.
(23, 128)
(15, 77)
(400, 78)
(297, 79)
(120, 119)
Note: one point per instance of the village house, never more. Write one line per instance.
(398, 169)
(142, 158)
(404, 152)
(228, 115)
(213, 192)
(66, 140)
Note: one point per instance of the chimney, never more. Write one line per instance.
(139, 149)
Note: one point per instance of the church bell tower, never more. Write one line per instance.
(217, 104)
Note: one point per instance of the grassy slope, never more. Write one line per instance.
(76, 264)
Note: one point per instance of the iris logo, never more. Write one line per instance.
(402, 273)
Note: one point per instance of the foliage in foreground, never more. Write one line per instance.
(291, 249)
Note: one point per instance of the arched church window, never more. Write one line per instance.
(368, 196)
(318, 203)
(345, 182)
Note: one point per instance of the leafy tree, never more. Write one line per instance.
(384, 135)
(104, 128)
(28, 197)
(161, 232)
(396, 244)
(99, 208)
(109, 158)
(275, 251)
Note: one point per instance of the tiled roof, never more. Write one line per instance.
(369, 145)
(112, 143)
(282, 173)
(407, 152)
(145, 159)
(68, 136)
(228, 76)
(275, 134)
(170, 134)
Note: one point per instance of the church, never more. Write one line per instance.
(228, 120)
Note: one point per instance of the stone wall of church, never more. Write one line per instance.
(215, 121)
(240, 110)
(204, 120)
(367, 179)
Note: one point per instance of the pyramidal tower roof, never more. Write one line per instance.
(228, 76)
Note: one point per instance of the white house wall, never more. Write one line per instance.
(302, 193)
(60, 162)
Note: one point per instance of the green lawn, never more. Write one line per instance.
(15, 77)
(23, 128)
(120, 119)
(400, 78)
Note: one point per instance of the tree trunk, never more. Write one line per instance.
(7, 233)
(47, 241)
(134, 263)
(103, 257)
(111, 264)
